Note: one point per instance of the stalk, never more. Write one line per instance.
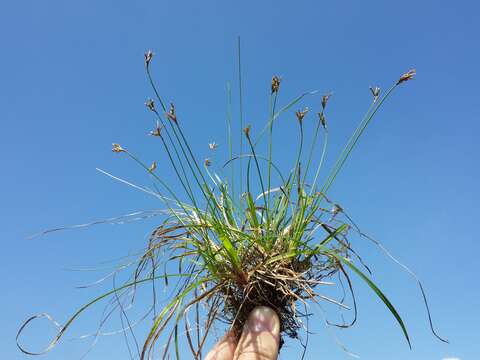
(353, 141)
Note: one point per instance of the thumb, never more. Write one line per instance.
(260, 337)
(224, 349)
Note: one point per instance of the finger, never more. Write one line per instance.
(260, 337)
(224, 349)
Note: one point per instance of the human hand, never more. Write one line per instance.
(259, 341)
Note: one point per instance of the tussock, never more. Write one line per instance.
(233, 249)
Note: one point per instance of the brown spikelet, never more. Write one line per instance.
(117, 148)
(322, 119)
(156, 131)
(247, 131)
(171, 113)
(301, 114)
(148, 57)
(375, 90)
(152, 167)
(150, 105)
(275, 84)
(407, 76)
(325, 100)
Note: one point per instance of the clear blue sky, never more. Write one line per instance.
(72, 82)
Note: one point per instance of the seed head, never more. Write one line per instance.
(212, 145)
(117, 148)
(275, 84)
(171, 113)
(407, 76)
(148, 57)
(152, 167)
(325, 100)
(336, 209)
(247, 131)
(375, 92)
(301, 114)
(156, 131)
(150, 105)
(208, 162)
(322, 119)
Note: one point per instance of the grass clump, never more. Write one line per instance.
(234, 249)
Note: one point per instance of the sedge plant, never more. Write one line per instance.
(234, 249)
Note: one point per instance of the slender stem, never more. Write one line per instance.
(186, 183)
(353, 141)
(159, 98)
(195, 175)
(312, 148)
(322, 159)
(240, 94)
(297, 163)
(186, 186)
(203, 188)
(259, 172)
(229, 134)
(163, 183)
(270, 141)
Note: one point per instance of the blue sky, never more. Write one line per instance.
(72, 82)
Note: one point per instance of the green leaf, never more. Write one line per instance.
(377, 291)
(282, 257)
(252, 215)
(231, 251)
(332, 235)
